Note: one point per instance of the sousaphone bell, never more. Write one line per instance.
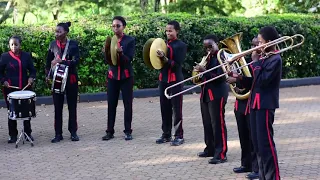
(110, 50)
(150, 52)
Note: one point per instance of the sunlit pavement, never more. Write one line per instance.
(297, 137)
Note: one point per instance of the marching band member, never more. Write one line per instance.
(249, 161)
(263, 102)
(213, 99)
(55, 55)
(120, 78)
(172, 73)
(15, 66)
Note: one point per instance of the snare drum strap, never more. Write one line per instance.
(65, 50)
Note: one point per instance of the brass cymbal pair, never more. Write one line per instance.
(110, 49)
(150, 52)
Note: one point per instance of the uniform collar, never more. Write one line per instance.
(171, 40)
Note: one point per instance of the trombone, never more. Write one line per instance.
(231, 58)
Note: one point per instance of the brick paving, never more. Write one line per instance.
(297, 136)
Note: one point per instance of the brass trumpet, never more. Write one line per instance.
(203, 63)
(229, 59)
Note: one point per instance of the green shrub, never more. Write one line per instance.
(303, 61)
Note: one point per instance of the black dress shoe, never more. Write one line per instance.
(204, 154)
(32, 139)
(12, 139)
(163, 139)
(107, 137)
(252, 175)
(241, 169)
(128, 137)
(57, 138)
(74, 137)
(217, 160)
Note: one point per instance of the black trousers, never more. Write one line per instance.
(171, 107)
(248, 156)
(114, 87)
(12, 124)
(215, 130)
(262, 137)
(58, 100)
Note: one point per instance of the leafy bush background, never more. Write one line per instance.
(91, 32)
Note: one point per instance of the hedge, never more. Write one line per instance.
(91, 32)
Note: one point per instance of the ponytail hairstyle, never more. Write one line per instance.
(65, 25)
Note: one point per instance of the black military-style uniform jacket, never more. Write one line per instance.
(265, 83)
(176, 54)
(56, 49)
(215, 89)
(123, 69)
(16, 70)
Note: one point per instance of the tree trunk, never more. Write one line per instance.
(144, 4)
(6, 12)
(163, 6)
(55, 15)
(56, 11)
(15, 15)
(156, 5)
(24, 16)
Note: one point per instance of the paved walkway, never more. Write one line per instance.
(297, 136)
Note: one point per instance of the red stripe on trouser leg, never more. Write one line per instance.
(271, 146)
(258, 100)
(181, 100)
(236, 105)
(224, 145)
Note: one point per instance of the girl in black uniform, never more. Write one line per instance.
(16, 69)
(55, 53)
(120, 78)
(170, 74)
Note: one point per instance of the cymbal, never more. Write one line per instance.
(146, 52)
(157, 44)
(107, 49)
(113, 50)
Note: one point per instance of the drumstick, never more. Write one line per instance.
(55, 56)
(49, 72)
(15, 87)
(26, 86)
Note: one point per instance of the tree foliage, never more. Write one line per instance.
(210, 7)
(301, 6)
(38, 11)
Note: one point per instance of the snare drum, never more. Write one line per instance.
(59, 78)
(22, 105)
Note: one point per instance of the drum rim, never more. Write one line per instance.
(32, 94)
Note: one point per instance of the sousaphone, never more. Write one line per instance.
(150, 52)
(110, 50)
